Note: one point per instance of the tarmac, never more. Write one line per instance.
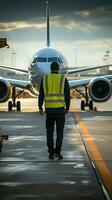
(85, 173)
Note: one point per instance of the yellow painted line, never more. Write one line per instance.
(104, 170)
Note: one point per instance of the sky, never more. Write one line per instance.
(80, 29)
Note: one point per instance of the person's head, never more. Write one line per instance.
(54, 67)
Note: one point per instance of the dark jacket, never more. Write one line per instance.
(55, 110)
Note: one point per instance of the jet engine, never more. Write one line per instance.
(100, 89)
(5, 90)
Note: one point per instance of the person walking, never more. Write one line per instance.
(55, 93)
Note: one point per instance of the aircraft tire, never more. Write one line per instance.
(18, 106)
(82, 105)
(10, 106)
(90, 105)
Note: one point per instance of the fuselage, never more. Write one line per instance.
(40, 65)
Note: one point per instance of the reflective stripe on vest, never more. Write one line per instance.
(53, 85)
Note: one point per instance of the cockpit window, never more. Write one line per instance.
(40, 59)
(60, 60)
(52, 59)
(34, 60)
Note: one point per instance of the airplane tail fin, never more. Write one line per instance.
(48, 25)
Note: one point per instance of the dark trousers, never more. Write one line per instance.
(51, 119)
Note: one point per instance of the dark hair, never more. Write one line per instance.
(54, 66)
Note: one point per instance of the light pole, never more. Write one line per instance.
(107, 55)
(13, 58)
(1, 60)
(76, 58)
(104, 60)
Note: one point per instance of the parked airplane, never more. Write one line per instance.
(98, 89)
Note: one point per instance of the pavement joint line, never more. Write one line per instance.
(43, 161)
(64, 160)
(103, 169)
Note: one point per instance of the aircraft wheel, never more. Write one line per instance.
(10, 106)
(0, 146)
(90, 105)
(82, 105)
(18, 106)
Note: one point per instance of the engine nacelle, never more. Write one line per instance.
(5, 90)
(100, 89)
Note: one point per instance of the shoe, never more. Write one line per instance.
(51, 156)
(58, 156)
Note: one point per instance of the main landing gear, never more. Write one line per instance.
(86, 102)
(13, 104)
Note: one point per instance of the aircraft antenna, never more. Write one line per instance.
(48, 27)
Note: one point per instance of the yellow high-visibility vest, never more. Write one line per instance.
(53, 85)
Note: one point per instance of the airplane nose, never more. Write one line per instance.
(43, 68)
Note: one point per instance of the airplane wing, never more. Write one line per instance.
(84, 82)
(15, 82)
(19, 83)
(14, 69)
(71, 71)
(98, 89)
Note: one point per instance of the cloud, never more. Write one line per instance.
(73, 25)
(85, 44)
(87, 20)
(84, 13)
(20, 25)
(69, 24)
(90, 21)
(95, 43)
(55, 23)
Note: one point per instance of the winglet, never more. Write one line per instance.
(48, 27)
